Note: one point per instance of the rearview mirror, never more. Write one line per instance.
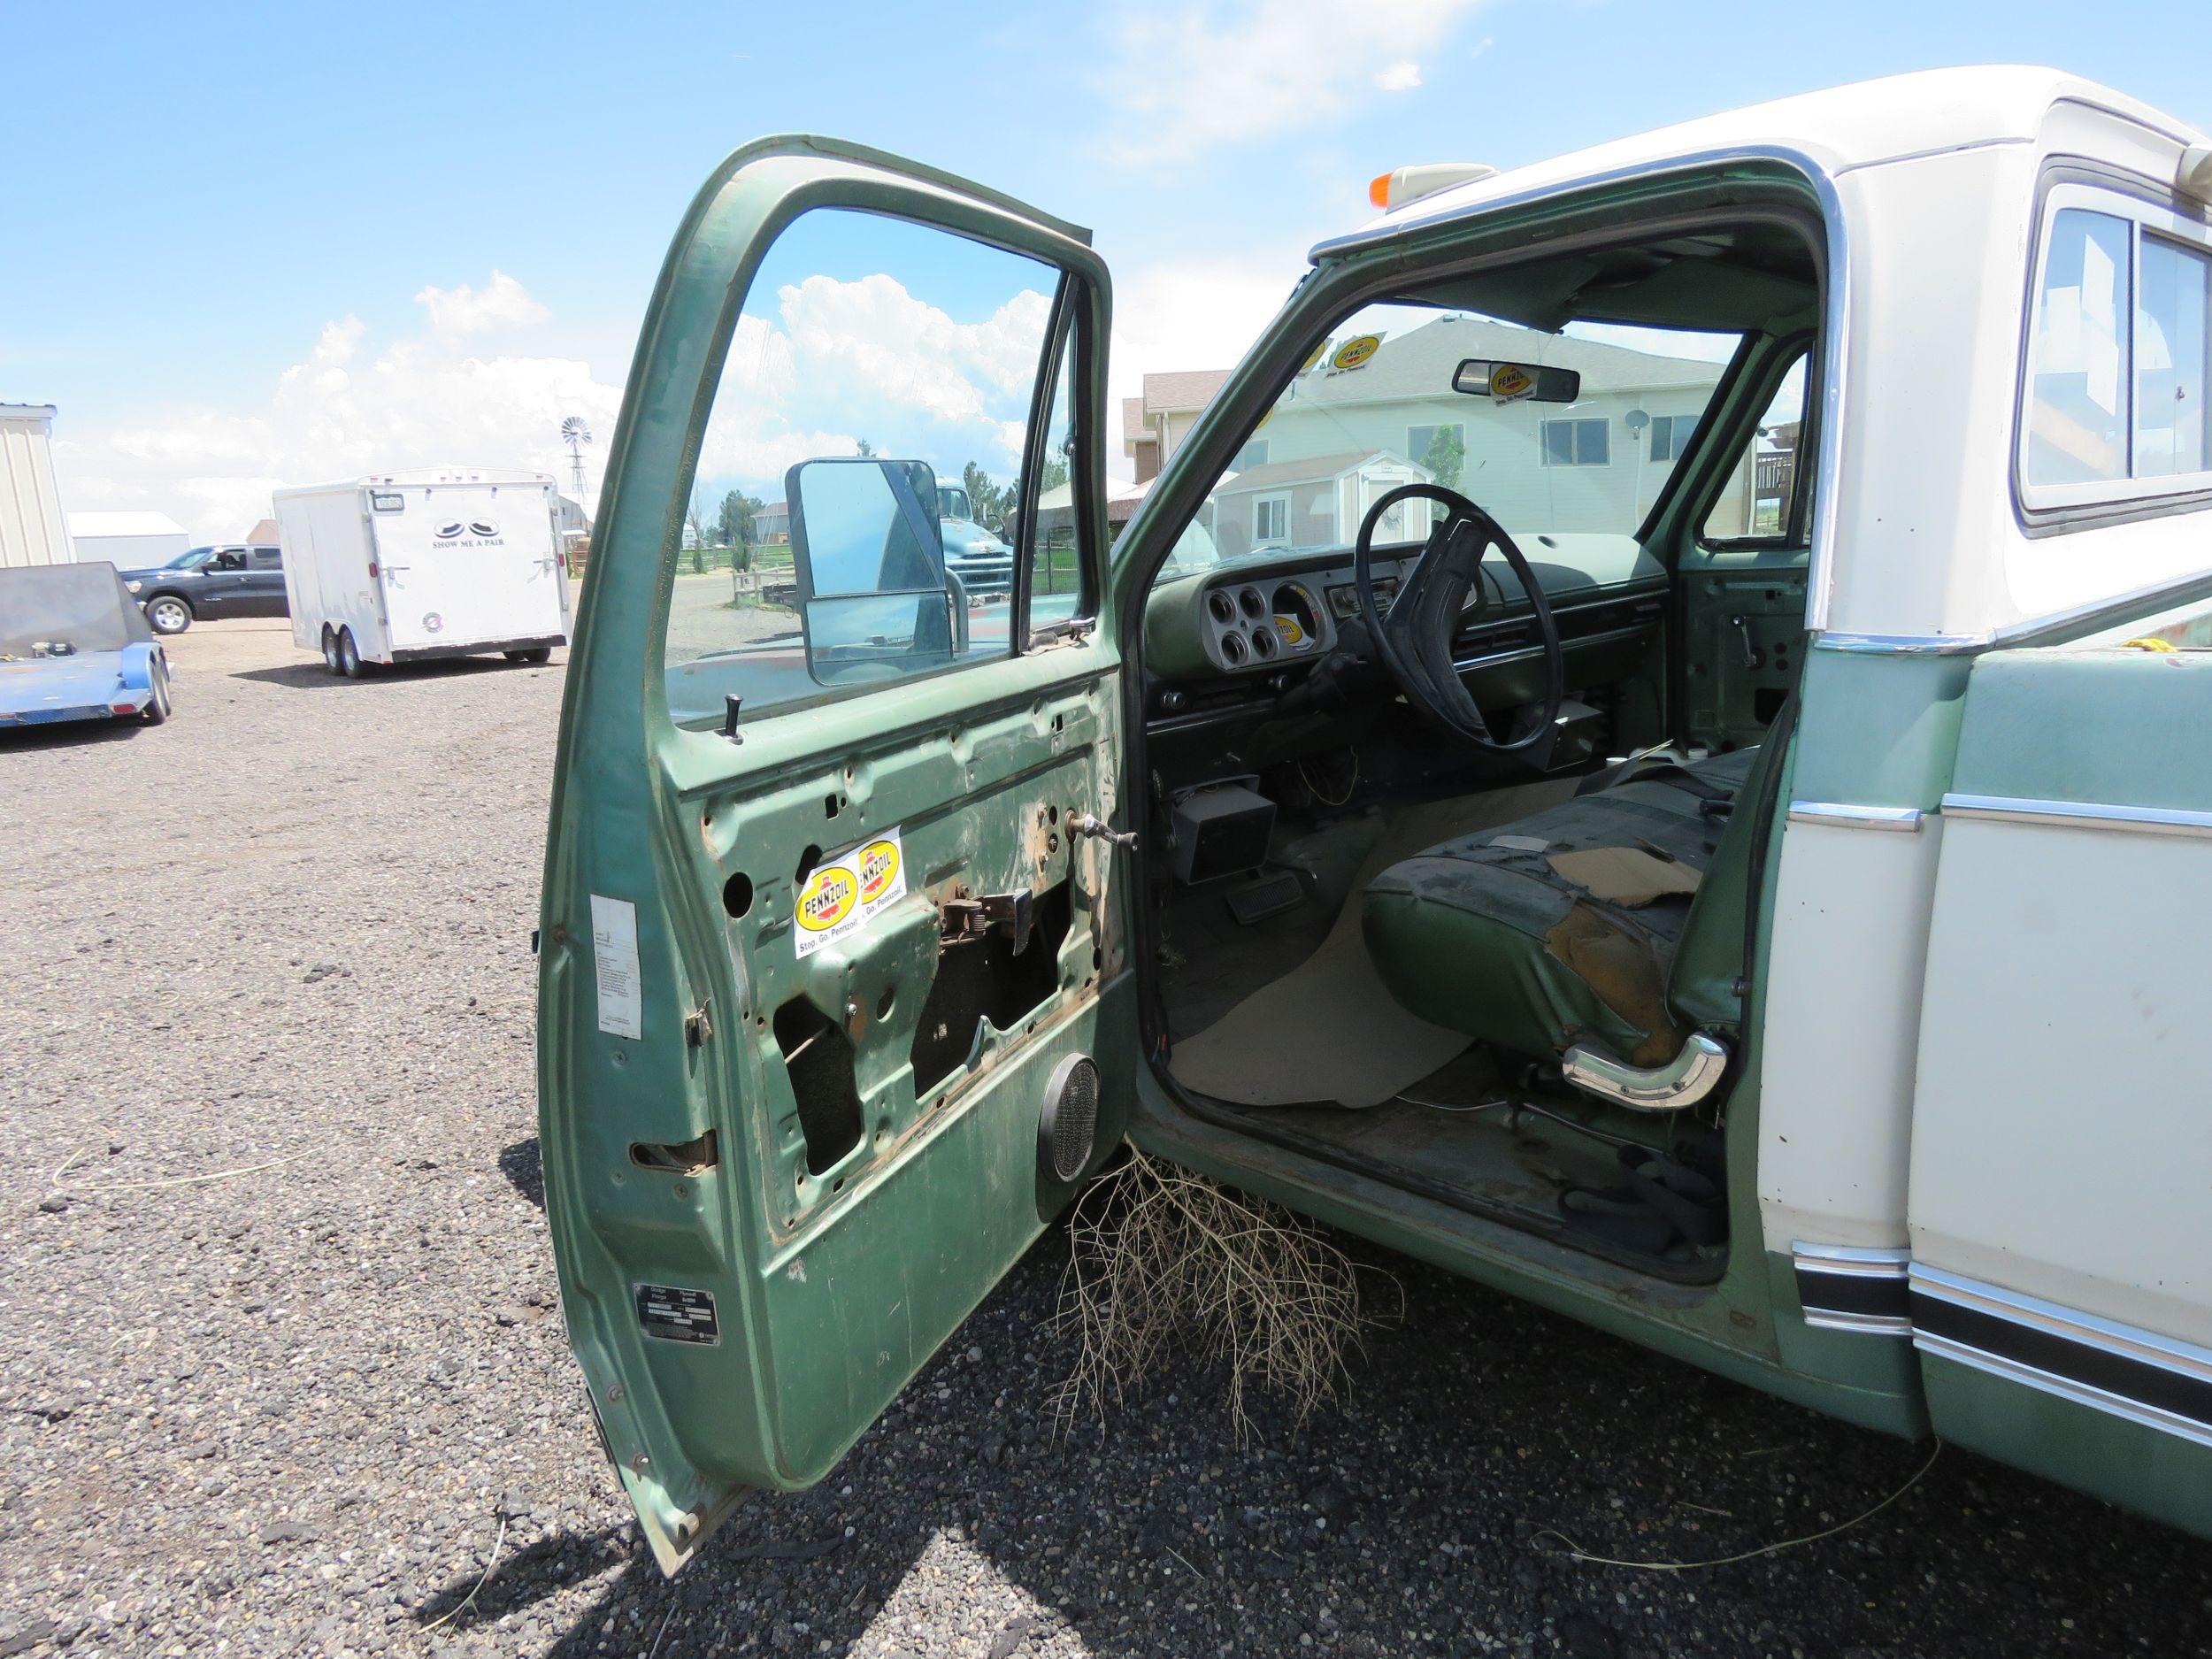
(1509, 382)
(868, 556)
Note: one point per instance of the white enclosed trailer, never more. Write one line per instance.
(401, 567)
(32, 529)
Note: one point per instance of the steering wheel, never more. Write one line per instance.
(1415, 637)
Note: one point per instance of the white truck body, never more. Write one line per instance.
(425, 564)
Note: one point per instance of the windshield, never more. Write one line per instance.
(191, 559)
(1374, 408)
(81, 606)
(952, 503)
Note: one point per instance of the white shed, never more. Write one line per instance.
(128, 541)
(32, 530)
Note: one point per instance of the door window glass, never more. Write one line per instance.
(2170, 432)
(845, 522)
(1759, 500)
(2077, 420)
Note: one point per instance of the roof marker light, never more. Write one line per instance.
(1410, 184)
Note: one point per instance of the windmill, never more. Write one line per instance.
(576, 435)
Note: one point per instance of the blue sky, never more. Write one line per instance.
(244, 241)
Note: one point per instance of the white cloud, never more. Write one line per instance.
(1209, 75)
(502, 302)
(349, 405)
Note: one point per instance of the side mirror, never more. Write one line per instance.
(1509, 382)
(868, 557)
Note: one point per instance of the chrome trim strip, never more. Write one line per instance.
(1612, 636)
(1835, 326)
(2142, 820)
(1683, 1081)
(1843, 815)
(1860, 1323)
(2063, 1387)
(1906, 644)
(2184, 1359)
(1850, 1258)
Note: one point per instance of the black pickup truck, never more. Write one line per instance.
(235, 580)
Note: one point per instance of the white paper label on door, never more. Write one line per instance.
(614, 959)
(840, 896)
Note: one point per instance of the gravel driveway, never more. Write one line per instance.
(298, 1409)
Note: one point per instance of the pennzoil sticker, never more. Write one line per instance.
(677, 1315)
(841, 896)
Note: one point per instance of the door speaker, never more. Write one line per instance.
(1068, 1130)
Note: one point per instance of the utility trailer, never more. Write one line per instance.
(404, 567)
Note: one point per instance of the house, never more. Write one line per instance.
(128, 541)
(773, 523)
(1309, 473)
(1152, 426)
(263, 535)
(32, 528)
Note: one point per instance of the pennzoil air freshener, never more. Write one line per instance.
(677, 1315)
(838, 897)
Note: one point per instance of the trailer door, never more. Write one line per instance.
(469, 564)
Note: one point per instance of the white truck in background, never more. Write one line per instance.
(401, 567)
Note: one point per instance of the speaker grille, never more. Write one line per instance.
(1069, 1127)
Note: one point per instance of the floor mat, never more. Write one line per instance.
(1329, 1029)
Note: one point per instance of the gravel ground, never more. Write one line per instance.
(297, 1410)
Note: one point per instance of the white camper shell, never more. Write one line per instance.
(401, 567)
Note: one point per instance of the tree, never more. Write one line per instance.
(735, 526)
(987, 500)
(866, 448)
(1445, 456)
(696, 522)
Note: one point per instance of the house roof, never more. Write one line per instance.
(263, 535)
(1314, 469)
(1854, 126)
(1182, 388)
(99, 524)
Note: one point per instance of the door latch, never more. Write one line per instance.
(962, 916)
(1090, 824)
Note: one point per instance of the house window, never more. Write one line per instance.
(2120, 359)
(1254, 454)
(1670, 436)
(1421, 440)
(1578, 442)
(1270, 521)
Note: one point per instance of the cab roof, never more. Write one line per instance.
(1855, 125)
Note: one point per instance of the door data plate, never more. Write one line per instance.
(677, 1315)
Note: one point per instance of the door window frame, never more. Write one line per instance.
(729, 211)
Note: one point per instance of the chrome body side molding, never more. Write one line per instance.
(1844, 1287)
(2153, 1380)
(2147, 820)
(1683, 1081)
(1844, 815)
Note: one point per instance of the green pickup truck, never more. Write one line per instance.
(1678, 787)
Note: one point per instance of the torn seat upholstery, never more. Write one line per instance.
(1484, 934)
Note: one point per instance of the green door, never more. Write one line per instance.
(828, 973)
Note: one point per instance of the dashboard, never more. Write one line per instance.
(1225, 637)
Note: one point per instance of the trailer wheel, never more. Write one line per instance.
(330, 651)
(348, 655)
(168, 614)
(157, 709)
(534, 654)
